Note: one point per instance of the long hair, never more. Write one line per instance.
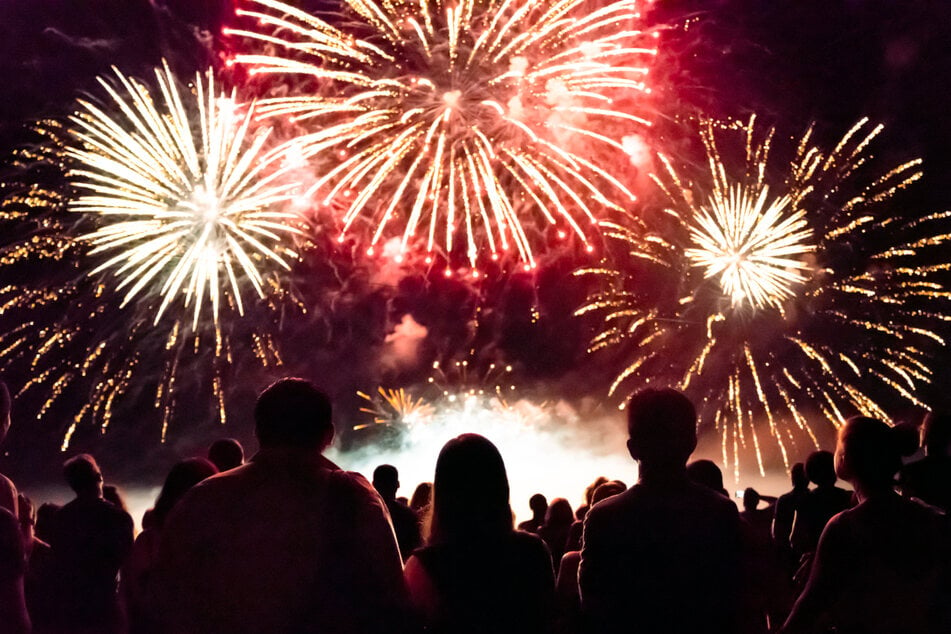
(470, 491)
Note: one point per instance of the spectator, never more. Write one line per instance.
(819, 505)
(226, 453)
(664, 555)
(8, 491)
(36, 583)
(13, 614)
(91, 538)
(138, 569)
(558, 522)
(45, 517)
(566, 584)
(386, 480)
(880, 567)
(929, 479)
(539, 506)
(706, 473)
(786, 508)
(477, 574)
(421, 499)
(285, 543)
(759, 520)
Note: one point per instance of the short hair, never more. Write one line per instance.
(82, 472)
(538, 503)
(798, 475)
(820, 468)
(387, 477)
(226, 453)
(293, 413)
(872, 451)
(662, 425)
(707, 474)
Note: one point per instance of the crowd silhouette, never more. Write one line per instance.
(288, 542)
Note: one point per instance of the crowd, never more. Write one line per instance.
(287, 542)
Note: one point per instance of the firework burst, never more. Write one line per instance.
(186, 214)
(777, 295)
(170, 208)
(459, 121)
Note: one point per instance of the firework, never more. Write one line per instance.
(458, 121)
(776, 295)
(190, 216)
(395, 407)
(161, 200)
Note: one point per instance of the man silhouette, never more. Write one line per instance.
(286, 542)
(662, 557)
(386, 480)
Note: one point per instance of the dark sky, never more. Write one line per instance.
(790, 61)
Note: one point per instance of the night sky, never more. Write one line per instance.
(792, 62)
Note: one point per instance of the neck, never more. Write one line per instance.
(865, 492)
(661, 473)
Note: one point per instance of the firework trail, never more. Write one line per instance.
(160, 221)
(776, 295)
(459, 122)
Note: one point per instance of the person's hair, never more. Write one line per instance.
(871, 452)
(82, 473)
(293, 413)
(662, 426)
(422, 496)
(226, 453)
(538, 503)
(386, 480)
(936, 433)
(183, 476)
(559, 513)
(608, 489)
(45, 516)
(798, 475)
(707, 474)
(820, 468)
(751, 499)
(470, 491)
(591, 488)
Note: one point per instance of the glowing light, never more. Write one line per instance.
(190, 216)
(777, 296)
(458, 122)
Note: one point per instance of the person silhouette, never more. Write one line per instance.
(539, 506)
(226, 453)
(929, 479)
(477, 574)
(664, 556)
(787, 505)
(386, 480)
(287, 542)
(819, 505)
(882, 566)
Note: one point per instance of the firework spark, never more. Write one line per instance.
(459, 120)
(395, 407)
(787, 295)
(193, 216)
(160, 200)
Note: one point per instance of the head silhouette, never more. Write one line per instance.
(293, 414)
(868, 453)
(83, 476)
(538, 504)
(226, 453)
(662, 429)
(936, 434)
(707, 474)
(751, 499)
(798, 476)
(386, 480)
(608, 489)
(820, 468)
(470, 490)
(183, 476)
(422, 496)
(559, 513)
